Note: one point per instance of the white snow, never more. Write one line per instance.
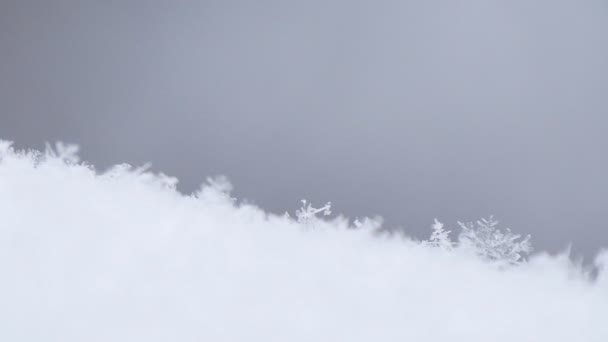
(122, 256)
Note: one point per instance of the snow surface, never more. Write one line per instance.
(122, 256)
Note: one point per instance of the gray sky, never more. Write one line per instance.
(406, 109)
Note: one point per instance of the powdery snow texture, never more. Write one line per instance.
(122, 256)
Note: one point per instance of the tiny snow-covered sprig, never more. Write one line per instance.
(490, 243)
(307, 214)
(68, 153)
(440, 237)
(485, 239)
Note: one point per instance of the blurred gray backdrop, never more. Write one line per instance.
(406, 109)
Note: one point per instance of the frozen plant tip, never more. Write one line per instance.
(488, 242)
(440, 237)
(307, 214)
(68, 153)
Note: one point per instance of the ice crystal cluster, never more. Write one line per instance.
(485, 240)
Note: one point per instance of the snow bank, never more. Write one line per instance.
(122, 256)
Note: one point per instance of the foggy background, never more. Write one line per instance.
(406, 109)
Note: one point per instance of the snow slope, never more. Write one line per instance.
(122, 256)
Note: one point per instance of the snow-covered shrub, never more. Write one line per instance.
(487, 241)
(440, 237)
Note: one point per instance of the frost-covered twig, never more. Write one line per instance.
(440, 237)
(487, 241)
(307, 214)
